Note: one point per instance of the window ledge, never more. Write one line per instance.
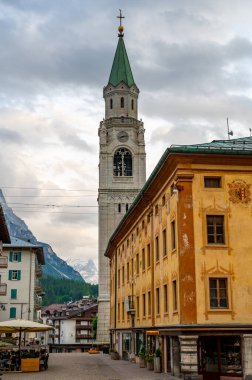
(216, 246)
(174, 250)
(219, 310)
(165, 257)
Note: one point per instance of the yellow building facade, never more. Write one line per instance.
(181, 263)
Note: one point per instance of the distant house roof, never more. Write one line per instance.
(16, 243)
(53, 308)
(4, 233)
(63, 311)
(241, 147)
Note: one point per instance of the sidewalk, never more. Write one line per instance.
(131, 371)
(82, 366)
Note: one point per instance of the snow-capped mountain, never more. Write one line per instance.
(54, 266)
(87, 269)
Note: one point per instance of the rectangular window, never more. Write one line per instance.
(149, 303)
(119, 278)
(123, 275)
(137, 307)
(156, 210)
(13, 312)
(165, 299)
(119, 311)
(137, 263)
(212, 182)
(215, 229)
(123, 311)
(128, 272)
(163, 200)
(218, 293)
(132, 267)
(175, 301)
(15, 256)
(13, 294)
(14, 275)
(148, 256)
(143, 259)
(164, 243)
(173, 235)
(157, 248)
(144, 306)
(143, 224)
(157, 302)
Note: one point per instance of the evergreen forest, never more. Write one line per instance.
(58, 290)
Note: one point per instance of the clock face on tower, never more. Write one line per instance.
(122, 136)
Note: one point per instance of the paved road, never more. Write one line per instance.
(80, 366)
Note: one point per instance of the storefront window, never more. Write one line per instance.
(220, 355)
(140, 341)
(231, 356)
(126, 345)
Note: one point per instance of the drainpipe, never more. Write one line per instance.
(29, 304)
(152, 269)
(115, 290)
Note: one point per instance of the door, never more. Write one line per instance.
(210, 359)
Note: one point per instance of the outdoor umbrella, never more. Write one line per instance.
(20, 325)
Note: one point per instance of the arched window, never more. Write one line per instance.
(122, 163)
(111, 104)
(122, 102)
(132, 104)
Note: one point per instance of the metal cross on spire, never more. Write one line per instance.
(120, 17)
(120, 27)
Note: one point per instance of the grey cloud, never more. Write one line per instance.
(9, 136)
(77, 142)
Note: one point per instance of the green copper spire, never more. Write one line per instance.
(121, 70)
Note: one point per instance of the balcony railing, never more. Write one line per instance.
(3, 289)
(83, 336)
(130, 305)
(38, 289)
(83, 327)
(3, 261)
(39, 272)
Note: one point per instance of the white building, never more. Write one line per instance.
(122, 166)
(72, 326)
(20, 274)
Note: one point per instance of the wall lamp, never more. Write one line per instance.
(177, 188)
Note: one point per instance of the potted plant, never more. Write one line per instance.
(114, 355)
(142, 357)
(150, 361)
(157, 360)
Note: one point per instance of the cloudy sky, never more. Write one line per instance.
(190, 59)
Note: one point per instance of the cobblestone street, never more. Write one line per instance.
(80, 366)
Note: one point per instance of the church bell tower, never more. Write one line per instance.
(122, 166)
